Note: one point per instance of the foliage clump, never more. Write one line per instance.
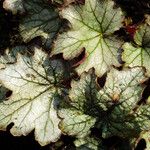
(73, 72)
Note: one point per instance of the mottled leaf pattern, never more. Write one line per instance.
(88, 143)
(34, 82)
(139, 54)
(112, 106)
(41, 20)
(93, 25)
(75, 122)
(97, 89)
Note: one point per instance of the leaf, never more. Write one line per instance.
(112, 107)
(75, 123)
(93, 25)
(36, 88)
(142, 116)
(87, 143)
(41, 20)
(139, 54)
(120, 95)
(15, 6)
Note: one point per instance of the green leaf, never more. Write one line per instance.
(120, 95)
(75, 123)
(36, 88)
(142, 116)
(112, 107)
(93, 25)
(41, 20)
(87, 143)
(139, 54)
